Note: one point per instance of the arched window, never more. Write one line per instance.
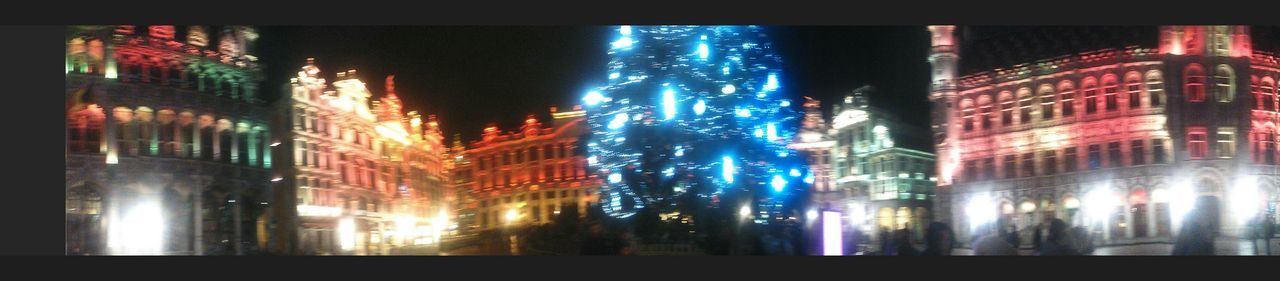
(1047, 99)
(1155, 88)
(186, 134)
(165, 131)
(1110, 92)
(1090, 88)
(225, 135)
(1193, 83)
(967, 110)
(1133, 87)
(125, 130)
(144, 118)
(1006, 108)
(1224, 82)
(1266, 94)
(1067, 96)
(84, 129)
(1024, 105)
(984, 110)
(206, 127)
(83, 211)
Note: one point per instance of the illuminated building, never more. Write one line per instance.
(178, 167)
(1130, 125)
(526, 177)
(354, 179)
(879, 167)
(813, 142)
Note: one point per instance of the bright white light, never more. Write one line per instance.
(771, 129)
(880, 129)
(725, 70)
(703, 51)
(832, 234)
(669, 104)
(857, 214)
(772, 83)
(795, 172)
(728, 169)
(980, 211)
(347, 233)
(758, 133)
(679, 151)
(743, 112)
(1099, 203)
(669, 172)
(778, 183)
(591, 160)
(615, 178)
(614, 75)
(700, 107)
(140, 231)
(728, 89)
(784, 103)
(745, 211)
(811, 214)
(275, 144)
(593, 98)
(808, 179)
(1181, 203)
(783, 154)
(623, 43)
(512, 215)
(277, 179)
(1244, 199)
(618, 121)
(625, 30)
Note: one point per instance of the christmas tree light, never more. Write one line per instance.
(730, 153)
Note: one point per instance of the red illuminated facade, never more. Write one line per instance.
(526, 177)
(1196, 110)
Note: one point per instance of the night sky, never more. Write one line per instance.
(472, 76)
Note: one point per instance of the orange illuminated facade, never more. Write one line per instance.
(528, 176)
(355, 178)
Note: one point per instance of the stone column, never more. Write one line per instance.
(235, 215)
(1128, 218)
(197, 199)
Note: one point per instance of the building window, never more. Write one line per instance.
(1133, 85)
(1067, 100)
(1010, 166)
(966, 107)
(1050, 162)
(1138, 152)
(971, 170)
(1090, 88)
(1115, 158)
(1266, 95)
(1095, 156)
(1193, 79)
(1024, 106)
(1155, 88)
(1029, 164)
(1006, 109)
(1196, 143)
(985, 115)
(989, 168)
(1069, 158)
(1110, 92)
(1226, 142)
(1224, 83)
(1157, 151)
(1046, 101)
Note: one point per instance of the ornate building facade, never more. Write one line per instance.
(526, 177)
(179, 166)
(878, 160)
(1120, 130)
(354, 179)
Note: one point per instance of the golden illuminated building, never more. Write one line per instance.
(354, 179)
(526, 177)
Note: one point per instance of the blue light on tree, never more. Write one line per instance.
(728, 154)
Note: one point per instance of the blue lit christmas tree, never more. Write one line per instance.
(695, 118)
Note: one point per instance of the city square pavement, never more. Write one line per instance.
(1223, 247)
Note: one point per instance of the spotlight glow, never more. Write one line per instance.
(832, 234)
(778, 183)
(728, 169)
(700, 107)
(593, 98)
(669, 104)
